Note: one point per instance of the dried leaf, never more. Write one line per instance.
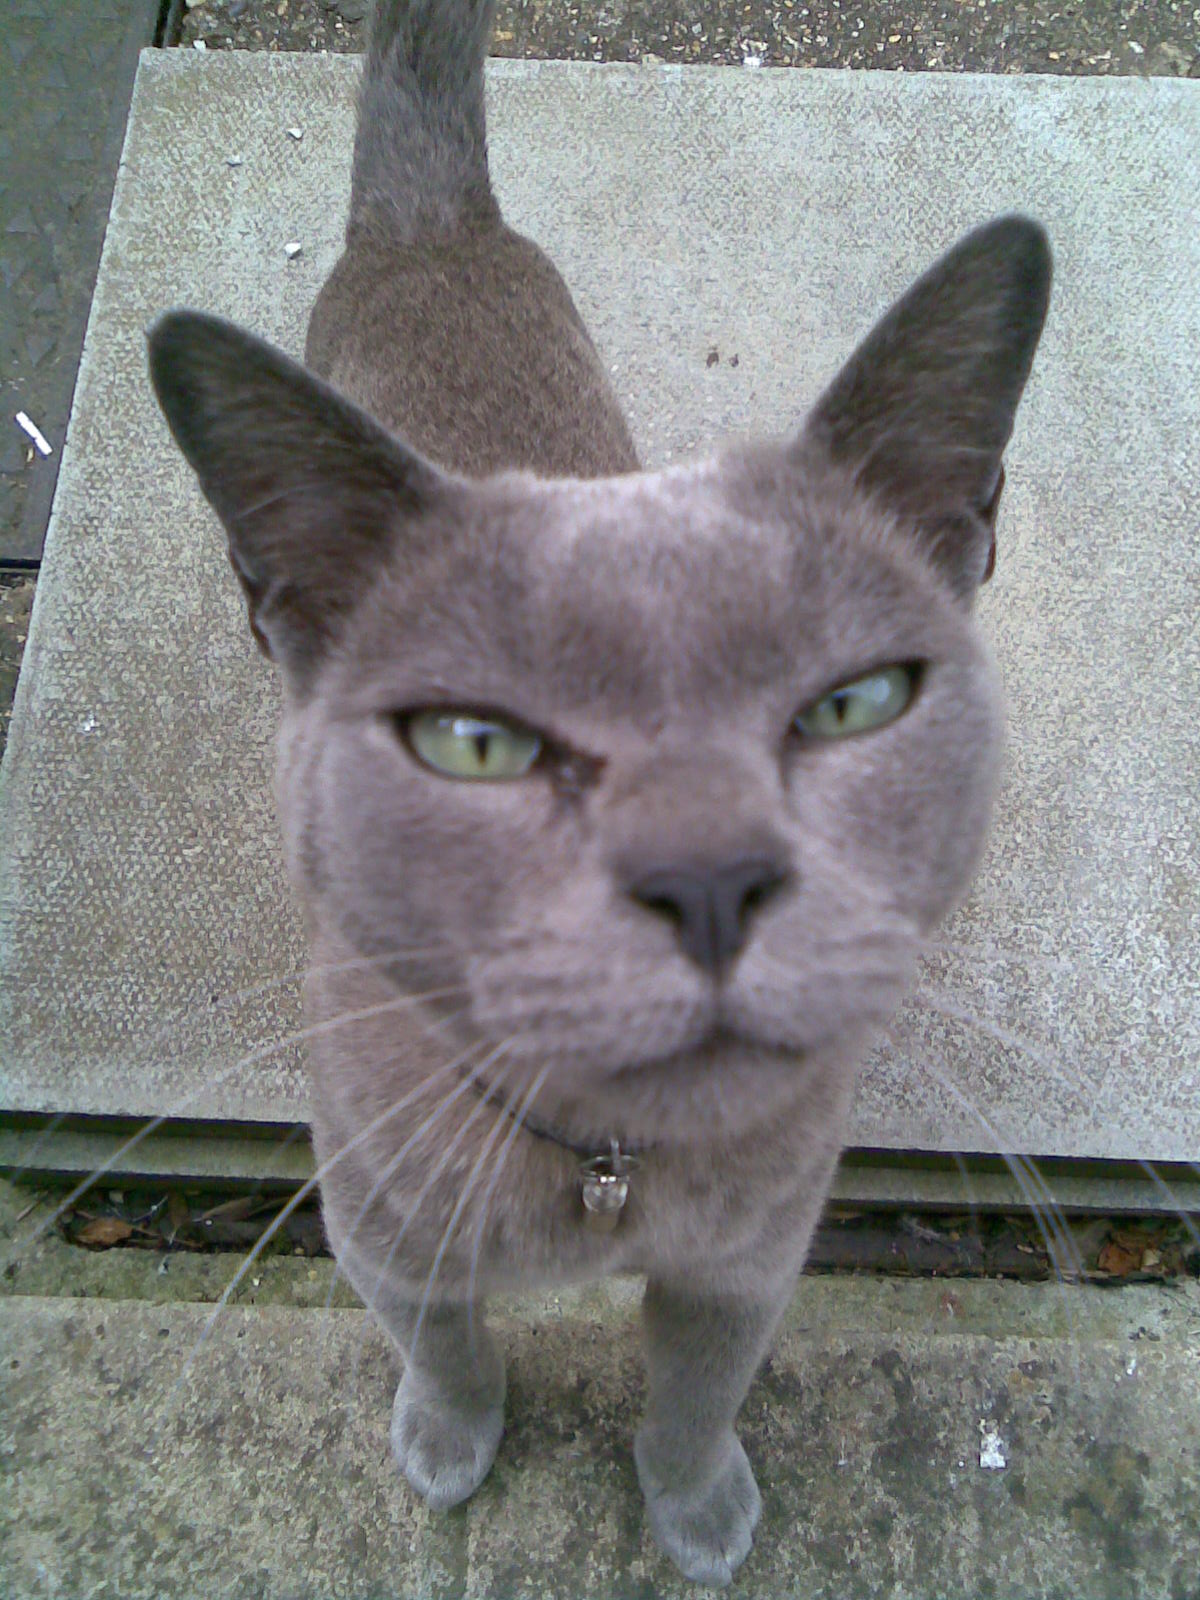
(103, 1232)
(1117, 1261)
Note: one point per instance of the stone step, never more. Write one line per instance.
(908, 1440)
(147, 945)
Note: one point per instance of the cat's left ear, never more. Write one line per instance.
(314, 494)
(921, 413)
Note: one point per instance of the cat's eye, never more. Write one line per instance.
(860, 705)
(464, 744)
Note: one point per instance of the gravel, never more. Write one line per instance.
(1143, 38)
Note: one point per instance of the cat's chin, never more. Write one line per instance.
(723, 1086)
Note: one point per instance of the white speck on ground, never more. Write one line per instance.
(28, 426)
(991, 1447)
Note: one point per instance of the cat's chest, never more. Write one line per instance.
(676, 1214)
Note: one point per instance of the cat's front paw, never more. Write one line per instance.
(707, 1530)
(445, 1451)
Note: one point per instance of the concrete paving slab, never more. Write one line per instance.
(145, 933)
(904, 1462)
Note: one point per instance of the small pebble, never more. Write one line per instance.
(295, 133)
(199, 44)
(293, 249)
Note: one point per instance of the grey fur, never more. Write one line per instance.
(420, 158)
(487, 542)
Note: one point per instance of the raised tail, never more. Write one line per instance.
(420, 154)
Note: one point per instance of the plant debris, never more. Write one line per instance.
(173, 1219)
(930, 1244)
(101, 1233)
(1084, 1249)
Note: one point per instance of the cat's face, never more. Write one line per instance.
(650, 642)
(660, 778)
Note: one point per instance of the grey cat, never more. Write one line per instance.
(619, 802)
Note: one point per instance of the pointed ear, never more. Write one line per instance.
(921, 413)
(312, 492)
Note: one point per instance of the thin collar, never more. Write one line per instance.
(545, 1130)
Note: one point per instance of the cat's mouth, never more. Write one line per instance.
(710, 1046)
(723, 1034)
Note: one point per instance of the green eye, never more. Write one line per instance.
(460, 744)
(858, 707)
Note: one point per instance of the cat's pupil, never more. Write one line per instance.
(841, 704)
(482, 741)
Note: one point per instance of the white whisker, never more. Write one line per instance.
(305, 1189)
(176, 1024)
(430, 1179)
(261, 1053)
(396, 1160)
(1028, 1180)
(448, 1231)
(1160, 1183)
(998, 955)
(1012, 1041)
(1035, 1049)
(485, 1199)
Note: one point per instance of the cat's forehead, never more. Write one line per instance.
(658, 570)
(657, 587)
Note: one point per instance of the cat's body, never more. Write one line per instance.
(681, 924)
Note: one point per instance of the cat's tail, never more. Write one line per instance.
(420, 154)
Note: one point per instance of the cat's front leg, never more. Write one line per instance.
(449, 1409)
(702, 1350)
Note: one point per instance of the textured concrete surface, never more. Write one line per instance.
(764, 215)
(148, 1458)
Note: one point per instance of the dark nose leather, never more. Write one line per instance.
(710, 907)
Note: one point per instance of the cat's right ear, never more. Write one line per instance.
(312, 492)
(921, 413)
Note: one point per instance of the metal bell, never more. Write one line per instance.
(605, 1181)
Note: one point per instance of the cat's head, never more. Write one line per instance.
(671, 771)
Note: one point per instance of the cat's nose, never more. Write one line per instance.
(711, 907)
